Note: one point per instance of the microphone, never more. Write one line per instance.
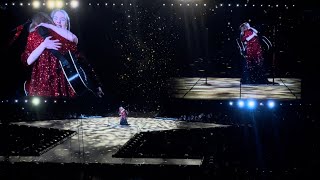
(21, 26)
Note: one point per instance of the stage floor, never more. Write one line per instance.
(213, 88)
(98, 138)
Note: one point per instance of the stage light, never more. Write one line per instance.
(59, 4)
(240, 103)
(50, 4)
(231, 103)
(271, 104)
(36, 4)
(74, 4)
(36, 101)
(251, 104)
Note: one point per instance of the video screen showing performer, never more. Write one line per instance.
(152, 54)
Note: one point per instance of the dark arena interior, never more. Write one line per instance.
(177, 67)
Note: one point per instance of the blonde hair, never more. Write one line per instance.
(38, 18)
(245, 24)
(65, 15)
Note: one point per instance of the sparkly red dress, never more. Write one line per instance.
(47, 77)
(253, 68)
(253, 48)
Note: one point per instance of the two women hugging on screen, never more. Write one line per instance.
(47, 77)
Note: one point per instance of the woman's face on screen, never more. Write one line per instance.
(60, 20)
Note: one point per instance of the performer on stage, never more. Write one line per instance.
(253, 72)
(123, 113)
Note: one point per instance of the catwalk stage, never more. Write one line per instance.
(233, 143)
(97, 139)
(212, 88)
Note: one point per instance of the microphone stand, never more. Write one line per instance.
(273, 54)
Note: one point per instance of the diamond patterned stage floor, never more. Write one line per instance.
(98, 138)
(266, 145)
(229, 88)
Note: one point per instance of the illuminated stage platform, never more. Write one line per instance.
(212, 88)
(229, 143)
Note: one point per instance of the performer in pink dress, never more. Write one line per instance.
(123, 116)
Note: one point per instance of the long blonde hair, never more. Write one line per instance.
(38, 18)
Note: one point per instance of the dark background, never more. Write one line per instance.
(136, 49)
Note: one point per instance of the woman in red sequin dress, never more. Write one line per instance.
(253, 68)
(47, 77)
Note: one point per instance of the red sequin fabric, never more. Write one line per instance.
(253, 50)
(47, 77)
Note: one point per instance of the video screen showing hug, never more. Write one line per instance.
(151, 51)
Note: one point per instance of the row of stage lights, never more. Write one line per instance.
(34, 101)
(52, 4)
(241, 103)
(252, 104)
